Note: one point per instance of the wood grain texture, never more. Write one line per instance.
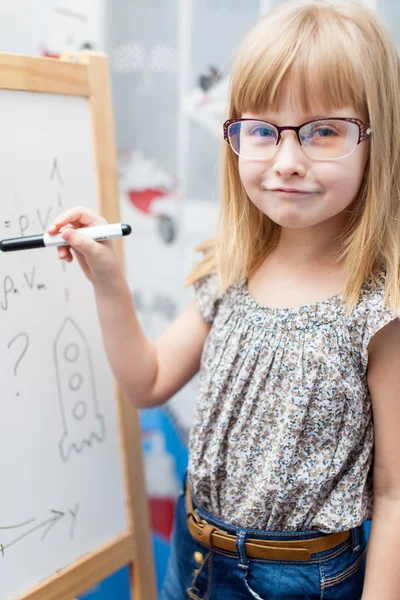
(142, 570)
(46, 75)
(84, 574)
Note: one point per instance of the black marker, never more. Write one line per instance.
(99, 233)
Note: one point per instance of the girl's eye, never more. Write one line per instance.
(324, 132)
(262, 132)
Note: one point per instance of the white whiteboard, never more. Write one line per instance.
(62, 493)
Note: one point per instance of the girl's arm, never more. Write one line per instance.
(382, 578)
(147, 373)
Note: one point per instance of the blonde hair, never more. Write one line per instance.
(340, 54)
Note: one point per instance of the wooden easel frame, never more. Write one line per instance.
(86, 74)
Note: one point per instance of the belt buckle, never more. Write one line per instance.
(206, 529)
(196, 517)
(203, 522)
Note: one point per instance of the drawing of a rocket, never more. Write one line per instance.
(83, 424)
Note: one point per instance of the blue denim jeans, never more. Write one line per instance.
(333, 574)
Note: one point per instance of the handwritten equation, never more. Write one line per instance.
(30, 224)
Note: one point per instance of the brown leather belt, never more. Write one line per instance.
(213, 537)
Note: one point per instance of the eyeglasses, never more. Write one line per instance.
(322, 139)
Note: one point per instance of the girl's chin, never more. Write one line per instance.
(295, 218)
(295, 215)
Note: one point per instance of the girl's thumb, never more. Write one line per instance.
(80, 242)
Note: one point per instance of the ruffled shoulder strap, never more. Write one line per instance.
(206, 296)
(372, 314)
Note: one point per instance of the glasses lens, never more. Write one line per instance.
(329, 138)
(253, 139)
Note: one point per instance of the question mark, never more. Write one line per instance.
(24, 349)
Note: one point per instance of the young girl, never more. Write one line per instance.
(295, 440)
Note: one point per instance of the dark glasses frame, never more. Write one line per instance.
(363, 128)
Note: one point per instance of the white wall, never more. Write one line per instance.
(19, 25)
(32, 26)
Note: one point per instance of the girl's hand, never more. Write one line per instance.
(99, 260)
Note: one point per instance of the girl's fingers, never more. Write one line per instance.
(64, 253)
(77, 216)
(80, 242)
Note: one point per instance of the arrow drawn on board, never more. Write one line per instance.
(49, 524)
(19, 524)
(56, 171)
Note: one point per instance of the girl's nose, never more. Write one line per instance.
(290, 158)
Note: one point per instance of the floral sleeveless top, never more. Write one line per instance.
(282, 437)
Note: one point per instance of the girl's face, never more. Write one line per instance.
(295, 191)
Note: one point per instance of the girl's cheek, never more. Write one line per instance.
(251, 173)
